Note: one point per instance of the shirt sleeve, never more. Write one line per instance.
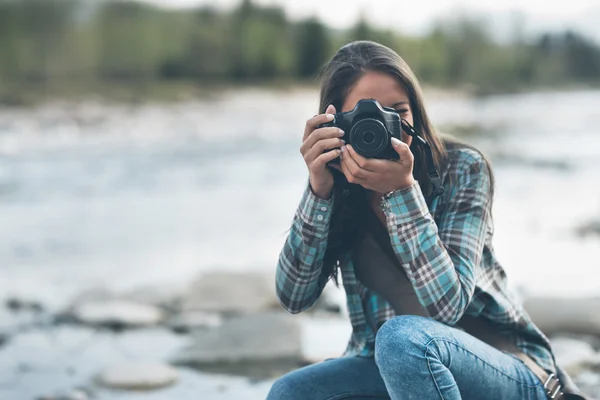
(442, 262)
(299, 277)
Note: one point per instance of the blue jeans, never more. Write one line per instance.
(416, 358)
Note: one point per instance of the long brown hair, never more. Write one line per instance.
(338, 77)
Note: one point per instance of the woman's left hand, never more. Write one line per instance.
(379, 175)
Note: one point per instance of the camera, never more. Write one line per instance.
(369, 128)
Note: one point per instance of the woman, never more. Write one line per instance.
(430, 310)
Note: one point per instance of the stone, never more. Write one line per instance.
(68, 395)
(591, 228)
(562, 315)
(117, 313)
(232, 293)
(574, 355)
(254, 345)
(166, 296)
(18, 305)
(191, 320)
(93, 294)
(138, 376)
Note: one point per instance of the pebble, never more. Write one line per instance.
(117, 313)
(138, 376)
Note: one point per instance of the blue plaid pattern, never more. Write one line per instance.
(445, 249)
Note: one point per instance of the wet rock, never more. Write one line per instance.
(167, 296)
(231, 293)
(261, 345)
(19, 305)
(557, 315)
(591, 228)
(117, 314)
(93, 295)
(589, 383)
(4, 337)
(69, 395)
(574, 355)
(138, 376)
(191, 320)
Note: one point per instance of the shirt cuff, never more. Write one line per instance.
(406, 204)
(314, 210)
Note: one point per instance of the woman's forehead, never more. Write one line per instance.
(379, 86)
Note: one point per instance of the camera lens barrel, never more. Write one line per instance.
(369, 137)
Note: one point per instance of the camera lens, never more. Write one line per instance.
(369, 137)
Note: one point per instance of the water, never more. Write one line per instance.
(106, 195)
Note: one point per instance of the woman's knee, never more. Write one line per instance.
(285, 387)
(403, 337)
(291, 386)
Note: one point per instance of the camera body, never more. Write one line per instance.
(369, 128)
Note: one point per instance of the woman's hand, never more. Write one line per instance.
(381, 176)
(313, 149)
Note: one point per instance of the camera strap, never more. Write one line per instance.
(434, 177)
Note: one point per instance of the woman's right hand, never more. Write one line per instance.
(314, 145)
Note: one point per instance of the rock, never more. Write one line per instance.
(590, 229)
(117, 314)
(93, 295)
(192, 320)
(138, 376)
(18, 305)
(232, 293)
(258, 345)
(166, 296)
(557, 315)
(69, 395)
(4, 338)
(589, 383)
(574, 355)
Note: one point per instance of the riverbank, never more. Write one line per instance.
(150, 92)
(95, 194)
(222, 337)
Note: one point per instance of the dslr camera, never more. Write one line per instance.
(369, 128)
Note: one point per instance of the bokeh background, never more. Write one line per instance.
(149, 170)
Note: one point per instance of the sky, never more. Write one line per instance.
(415, 17)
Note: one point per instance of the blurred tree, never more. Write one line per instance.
(582, 58)
(130, 39)
(81, 41)
(33, 37)
(312, 46)
(362, 30)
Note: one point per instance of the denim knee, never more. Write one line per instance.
(286, 388)
(401, 338)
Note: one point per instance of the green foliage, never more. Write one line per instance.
(312, 44)
(46, 42)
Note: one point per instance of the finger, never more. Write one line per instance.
(336, 166)
(317, 120)
(322, 146)
(369, 164)
(324, 158)
(353, 168)
(403, 150)
(320, 134)
(348, 174)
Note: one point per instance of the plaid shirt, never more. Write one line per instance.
(445, 249)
